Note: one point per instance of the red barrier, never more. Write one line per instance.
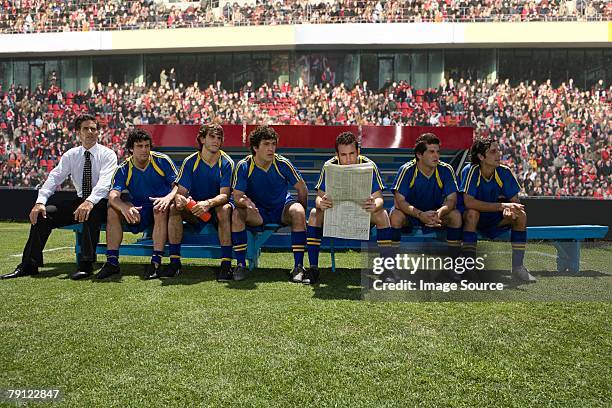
(322, 137)
(404, 137)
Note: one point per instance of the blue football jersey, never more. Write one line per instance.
(501, 186)
(268, 189)
(156, 180)
(202, 180)
(425, 193)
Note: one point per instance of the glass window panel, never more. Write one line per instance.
(279, 67)
(21, 73)
(558, 67)
(84, 72)
(419, 70)
(436, 68)
(369, 69)
(67, 74)
(6, 74)
(224, 70)
(402, 67)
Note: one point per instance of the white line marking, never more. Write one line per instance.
(48, 250)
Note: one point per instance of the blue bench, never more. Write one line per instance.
(205, 244)
(566, 239)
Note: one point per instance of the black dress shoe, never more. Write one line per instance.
(78, 275)
(21, 270)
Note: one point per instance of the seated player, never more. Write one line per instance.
(205, 177)
(425, 195)
(492, 205)
(149, 178)
(261, 196)
(347, 152)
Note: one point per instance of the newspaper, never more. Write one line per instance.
(348, 187)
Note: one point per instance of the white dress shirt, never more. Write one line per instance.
(103, 165)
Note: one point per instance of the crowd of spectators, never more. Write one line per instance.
(32, 16)
(557, 139)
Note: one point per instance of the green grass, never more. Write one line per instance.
(269, 343)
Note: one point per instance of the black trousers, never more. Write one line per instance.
(64, 215)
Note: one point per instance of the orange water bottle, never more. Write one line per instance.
(204, 216)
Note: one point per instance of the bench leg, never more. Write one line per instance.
(254, 243)
(568, 256)
(333, 255)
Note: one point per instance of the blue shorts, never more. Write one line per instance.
(488, 224)
(274, 215)
(146, 220)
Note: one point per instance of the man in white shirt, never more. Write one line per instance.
(91, 167)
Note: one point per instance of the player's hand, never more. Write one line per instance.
(37, 209)
(200, 208)
(81, 214)
(508, 213)
(131, 214)
(161, 204)
(247, 203)
(180, 201)
(325, 202)
(514, 208)
(430, 219)
(369, 205)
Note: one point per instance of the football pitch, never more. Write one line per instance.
(265, 342)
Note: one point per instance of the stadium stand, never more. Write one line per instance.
(557, 138)
(51, 16)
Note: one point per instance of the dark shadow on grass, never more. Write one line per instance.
(53, 270)
(191, 275)
(342, 284)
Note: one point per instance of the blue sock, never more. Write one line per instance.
(313, 236)
(157, 257)
(469, 243)
(175, 253)
(226, 255)
(383, 239)
(112, 256)
(519, 242)
(396, 237)
(298, 242)
(239, 239)
(453, 240)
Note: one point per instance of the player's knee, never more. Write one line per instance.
(224, 213)
(381, 218)
(471, 217)
(159, 216)
(174, 212)
(238, 217)
(454, 219)
(397, 218)
(521, 219)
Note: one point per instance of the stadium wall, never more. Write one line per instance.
(307, 36)
(541, 211)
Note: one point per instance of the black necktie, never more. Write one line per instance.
(87, 175)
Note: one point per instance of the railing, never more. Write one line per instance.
(94, 16)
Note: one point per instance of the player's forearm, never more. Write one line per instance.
(220, 199)
(172, 193)
(482, 206)
(406, 208)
